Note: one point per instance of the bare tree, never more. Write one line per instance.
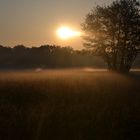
(113, 32)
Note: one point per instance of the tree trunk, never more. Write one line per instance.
(121, 68)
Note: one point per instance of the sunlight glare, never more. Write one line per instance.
(66, 33)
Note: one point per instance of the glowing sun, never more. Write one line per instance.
(66, 33)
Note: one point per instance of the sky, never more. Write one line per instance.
(34, 22)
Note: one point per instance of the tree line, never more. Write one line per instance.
(49, 56)
(46, 56)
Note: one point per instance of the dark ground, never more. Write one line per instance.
(69, 105)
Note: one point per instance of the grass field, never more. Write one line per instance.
(69, 105)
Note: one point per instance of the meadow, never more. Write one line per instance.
(72, 104)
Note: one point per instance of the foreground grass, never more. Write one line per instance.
(69, 105)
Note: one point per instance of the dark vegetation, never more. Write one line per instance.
(69, 105)
(113, 32)
(48, 56)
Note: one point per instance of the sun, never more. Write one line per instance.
(65, 32)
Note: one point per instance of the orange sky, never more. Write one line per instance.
(34, 22)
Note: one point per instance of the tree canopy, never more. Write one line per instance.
(113, 32)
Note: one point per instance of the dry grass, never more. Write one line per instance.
(69, 105)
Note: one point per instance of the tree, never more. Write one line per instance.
(113, 32)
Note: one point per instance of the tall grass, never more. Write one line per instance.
(69, 105)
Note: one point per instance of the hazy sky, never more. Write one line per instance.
(34, 22)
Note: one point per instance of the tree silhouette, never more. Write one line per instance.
(46, 56)
(113, 32)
